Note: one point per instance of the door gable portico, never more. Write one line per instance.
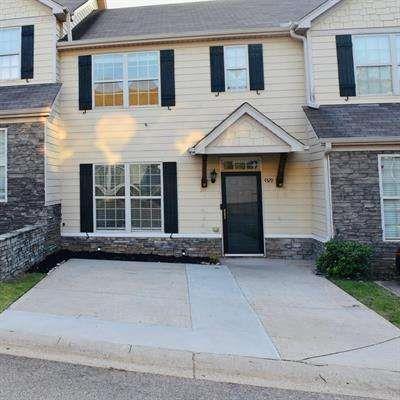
(247, 131)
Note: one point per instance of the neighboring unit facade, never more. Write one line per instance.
(171, 130)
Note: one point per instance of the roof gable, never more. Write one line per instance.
(27, 99)
(58, 6)
(247, 131)
(356, 122)
(307, 20)
(196, 19)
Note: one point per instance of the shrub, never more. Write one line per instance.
(345, 259)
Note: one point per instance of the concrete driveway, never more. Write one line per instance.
(248, 309)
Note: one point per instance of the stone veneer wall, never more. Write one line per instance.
(194, 247)
(356, 204)
(25, 176)
(21, 249)
(26, 184)
(293, 248)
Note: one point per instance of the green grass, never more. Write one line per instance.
(11, 291)
(373, 296)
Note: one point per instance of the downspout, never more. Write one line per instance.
(307, 66)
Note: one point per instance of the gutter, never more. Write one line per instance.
(167, 38)
(310, 97)
(361, 140)
(26, 112)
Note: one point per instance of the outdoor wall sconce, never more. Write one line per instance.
(213, 176)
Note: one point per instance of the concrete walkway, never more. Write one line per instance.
(179, 307)
(392, 286)
(270, 323)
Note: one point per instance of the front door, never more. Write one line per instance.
(242, 213)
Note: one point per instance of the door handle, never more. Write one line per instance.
(223, 209)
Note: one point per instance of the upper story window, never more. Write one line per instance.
(236, 67)
(377, 60)
(3, 164)
(126, 79)
(109, 80)
(143, 75)
(10, 53)
(390, 195)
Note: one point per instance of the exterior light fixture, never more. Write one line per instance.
(213, 176)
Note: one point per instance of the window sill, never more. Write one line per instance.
(125, 233)
(130, 108)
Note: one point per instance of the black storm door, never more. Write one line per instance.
(242, 213)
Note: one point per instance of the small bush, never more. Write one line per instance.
(345, 259)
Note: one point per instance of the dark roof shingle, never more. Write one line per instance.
(355, 120)
(196, 17)
(23, 97)
(72, 5)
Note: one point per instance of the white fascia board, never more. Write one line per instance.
(247, 150)
(305, 22)
(56, 8)
(362, 140)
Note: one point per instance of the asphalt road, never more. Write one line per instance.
(28, 379)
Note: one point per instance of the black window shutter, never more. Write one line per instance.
(217, 67)
(256, 67)
(27, 52)
(170, 197)
(85, 82)
(344, 48)
(167, 61)
(86, 197)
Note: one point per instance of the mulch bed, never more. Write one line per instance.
(64, 255)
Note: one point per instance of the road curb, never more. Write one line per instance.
(283, 374)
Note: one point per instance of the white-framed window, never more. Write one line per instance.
(389, 176)
(236, 61)
(109, 193)
(230, 164)
(130, 79)
(3, 165)
(10, 53)
(143, 78)
(146, 196)
(128, 197)
(376, 62)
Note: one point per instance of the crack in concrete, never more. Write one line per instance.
(351, 350)
(254, 311)
(188, 297)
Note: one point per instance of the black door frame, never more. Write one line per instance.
(224, 211)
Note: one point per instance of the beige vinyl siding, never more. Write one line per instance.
(319, 184)
(351, 16)
(111, 135)
(360, 14)
(15, 13)
(52, 156)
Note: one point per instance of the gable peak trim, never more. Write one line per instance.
(56, 7)
(235, 116)
(306, 21)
